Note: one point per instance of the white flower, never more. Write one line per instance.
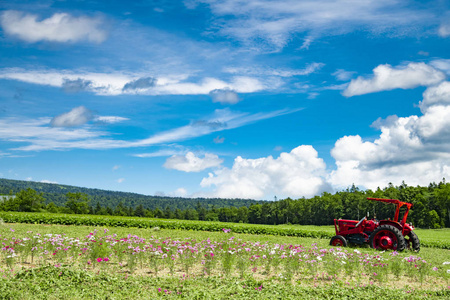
(319, 258)
(343, 262)
(446, 263)
(357, 251)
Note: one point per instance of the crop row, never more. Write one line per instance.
(118, 221)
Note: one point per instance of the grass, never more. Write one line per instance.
(57, 277)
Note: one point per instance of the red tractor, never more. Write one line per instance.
(384, 234)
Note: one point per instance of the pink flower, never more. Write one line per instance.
(105, 259)
(159, 290)
(99, 259)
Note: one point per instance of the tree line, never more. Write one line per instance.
(431, 207)
(57, 193)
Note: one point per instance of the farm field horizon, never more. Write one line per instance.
(187, 264)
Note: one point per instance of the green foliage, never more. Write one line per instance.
(25, 200)
(436, 239)
(78, 203)
(431, 205)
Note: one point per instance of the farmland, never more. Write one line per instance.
(429, 238)
(74, 262)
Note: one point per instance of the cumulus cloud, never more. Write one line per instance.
(61, 27)
(192, 163)
(224, 96)
(140, 84)
(413, 149)
(75, 86)
(385, 78)
(437, 95)
(296, 174)
(441, 64)
(78, 116)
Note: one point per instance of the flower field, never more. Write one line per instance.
(439, 238)
(171, 266)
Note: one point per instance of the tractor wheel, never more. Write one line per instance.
(387, 237)
(412, 242)
(338, 240)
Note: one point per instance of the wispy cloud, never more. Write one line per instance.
(308, 69)
(41, 136)
(275, 22)
(61, 27)
(118, 83)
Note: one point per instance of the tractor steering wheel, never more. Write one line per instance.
(359, 223)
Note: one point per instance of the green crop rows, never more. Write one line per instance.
(115, 221)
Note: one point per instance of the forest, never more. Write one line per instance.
(431, 205)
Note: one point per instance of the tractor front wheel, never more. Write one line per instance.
(338, 240)
(387, 237)
(412, 242)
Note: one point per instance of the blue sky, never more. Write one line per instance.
(250, 99)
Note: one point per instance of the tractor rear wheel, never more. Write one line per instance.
(387, 237)
(412, 242)
(338, 240)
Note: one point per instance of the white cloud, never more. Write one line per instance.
(109, 119)
(388, 78)
(296, 174)
(61, 27)
(192, 163)
(40, 136)
(120, 180)
(76, 117)
(48, 181)
(39, 131)
(444, 30)
(224, 96)
(116, 167)
(308, 69)
(413, 149)
(180, 192)
(343, 75)
(272, 24)
(442, 64)
(437, 95)
(116, 83)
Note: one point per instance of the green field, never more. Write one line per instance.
(437, 238)
(67, 268)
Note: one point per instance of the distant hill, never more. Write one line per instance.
(55, 193)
